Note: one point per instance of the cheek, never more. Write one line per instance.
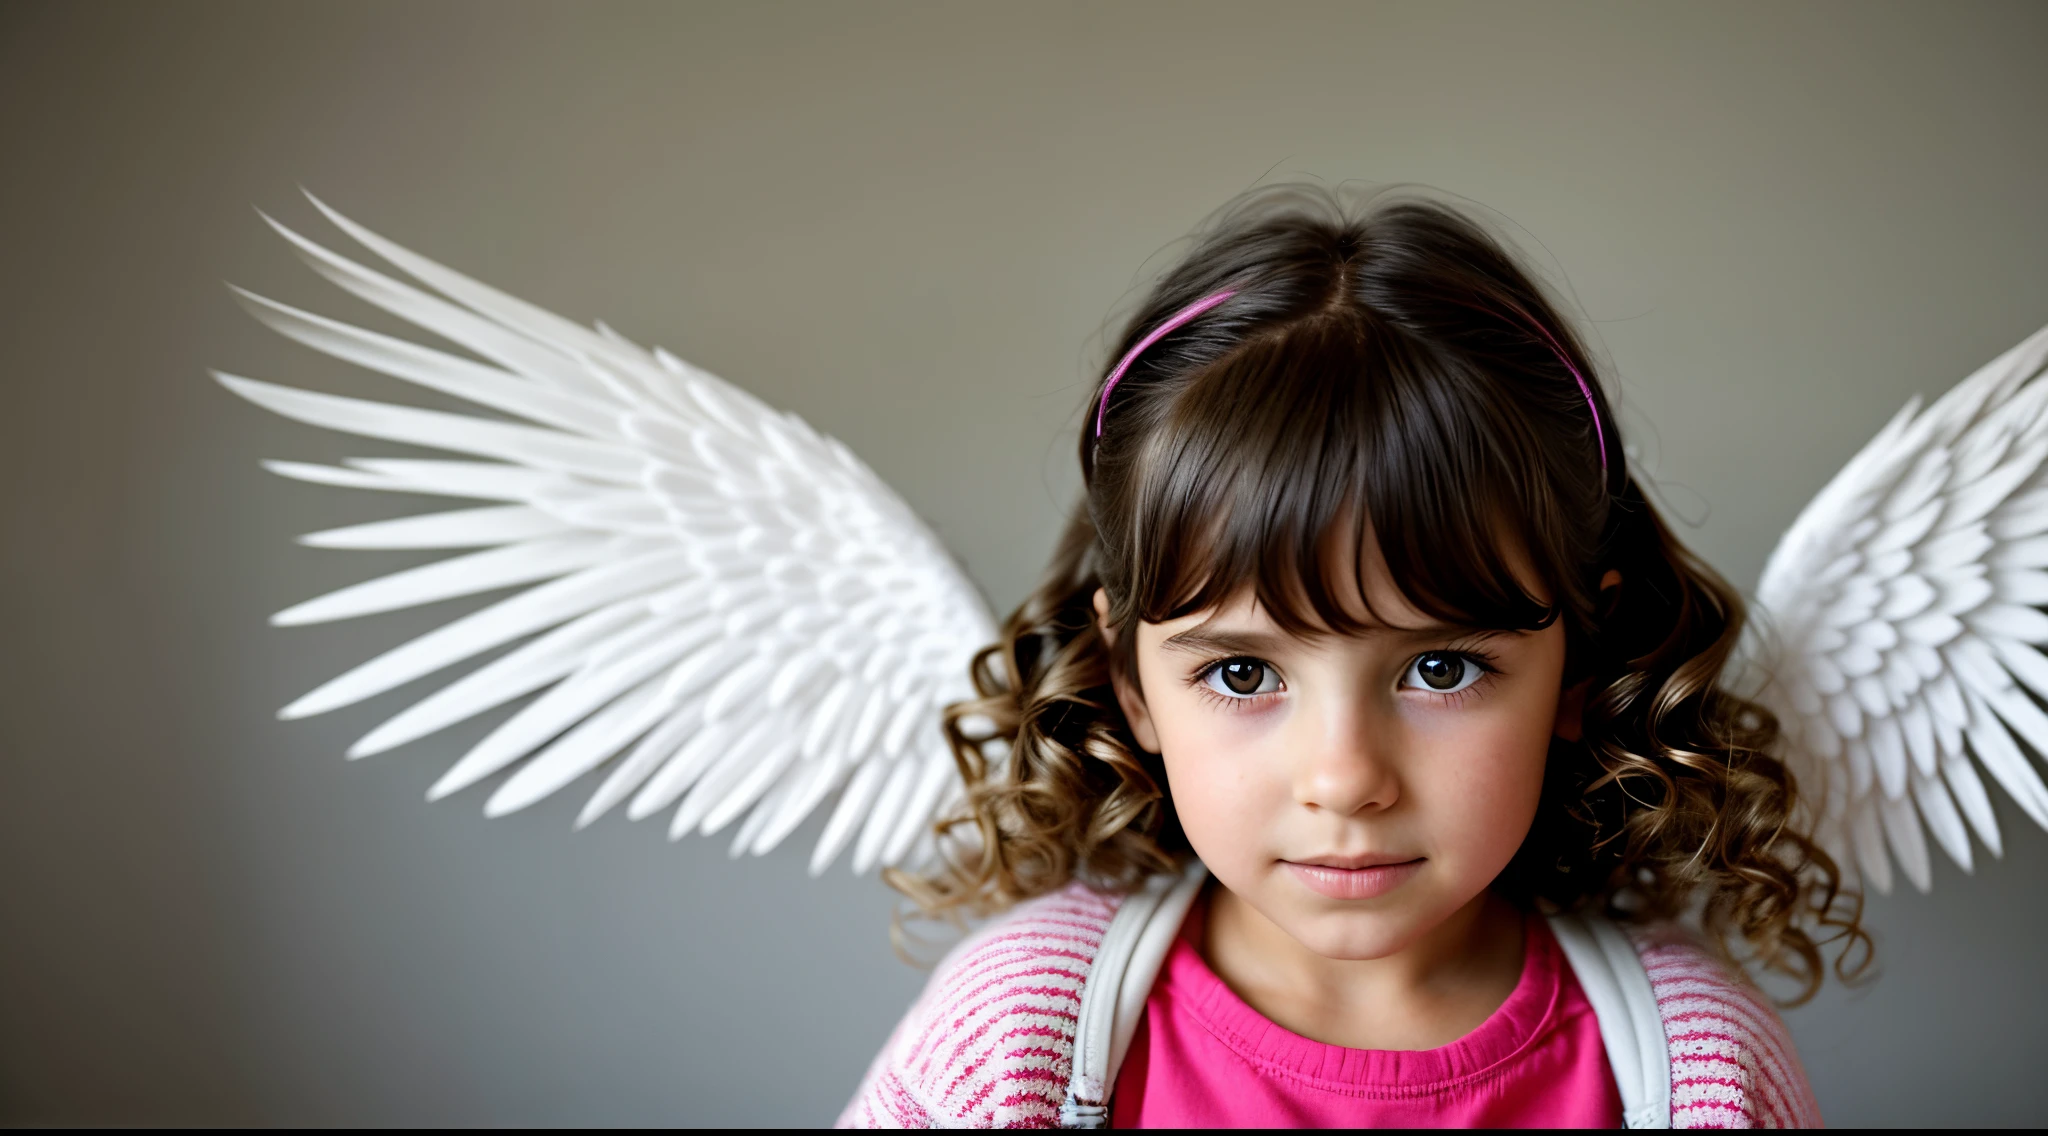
(1224, 784)
(1485, 798)
(1483, 780)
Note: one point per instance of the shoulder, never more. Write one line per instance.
(990, 1042)
(1732, 1060)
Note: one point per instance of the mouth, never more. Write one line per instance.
(1354, 877)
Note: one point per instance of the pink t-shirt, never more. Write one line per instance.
(1202, 1058)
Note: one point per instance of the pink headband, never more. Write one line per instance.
(1585, 388)
(1181, 317)
(1162, 331)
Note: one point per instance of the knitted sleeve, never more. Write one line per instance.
(990, 1042)
(1732, 1061)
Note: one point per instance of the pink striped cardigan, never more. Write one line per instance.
(990, 1042)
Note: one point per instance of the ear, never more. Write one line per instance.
(1128, 696)
(1571, 701)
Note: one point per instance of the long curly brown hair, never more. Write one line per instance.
(1385, 370)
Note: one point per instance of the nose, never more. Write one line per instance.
(1345, 762)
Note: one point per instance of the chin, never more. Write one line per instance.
(1353, 936)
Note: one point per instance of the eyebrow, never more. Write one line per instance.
(1202, 640)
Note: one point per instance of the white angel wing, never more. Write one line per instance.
(1905, 603)
(728, 599)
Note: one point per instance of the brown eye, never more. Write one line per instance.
(1442, 672)
(1242, 678)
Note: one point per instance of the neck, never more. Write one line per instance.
(1434, 990)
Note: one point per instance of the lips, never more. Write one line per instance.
(1356, 877)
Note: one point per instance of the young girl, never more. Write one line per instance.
(1362, 612)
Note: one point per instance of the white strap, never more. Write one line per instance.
(1142, 932)
(1618, 988)
(1119, 981)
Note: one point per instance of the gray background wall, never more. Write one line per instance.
(907, 223)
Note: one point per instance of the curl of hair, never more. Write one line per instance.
(1388, 373)
(1056, 787)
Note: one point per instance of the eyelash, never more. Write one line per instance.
(1486, 664)
(1200, 681)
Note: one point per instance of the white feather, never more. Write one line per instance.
(516, 673)
(757, 819)
(1942, 819)
(710, 741)
(810, 786)
(1967, 790)
(332, 475)
(456, 324)
(935, 771)
(726, 770)
(889, 807)
(581, 750)
(508, 619)
(854, 805)
(1908, 842)
(457, 576)
(461, 528)
(761, 773)
(650, 754)
(648, 649)
(487, 481)
(435, 370)
(550, 450)
(2001, 755)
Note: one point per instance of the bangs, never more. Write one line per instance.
(1272, 466)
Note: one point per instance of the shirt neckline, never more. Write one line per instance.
(1187, 982)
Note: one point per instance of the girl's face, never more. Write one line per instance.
(1356, 790)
